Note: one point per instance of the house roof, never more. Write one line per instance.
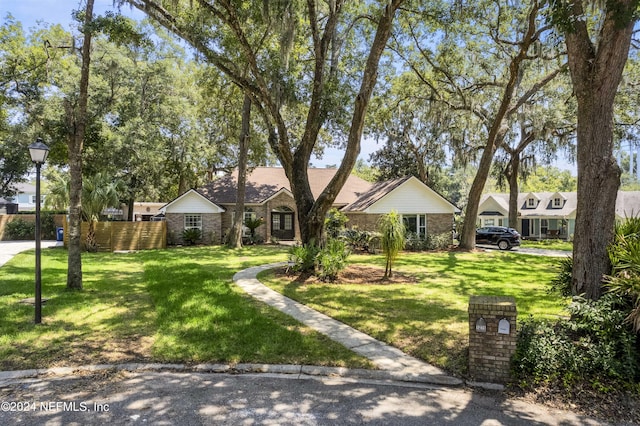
(627, 203)
(375, 193)
(265, 182)
(195, 195)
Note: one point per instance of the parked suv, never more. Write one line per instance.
(503, 237)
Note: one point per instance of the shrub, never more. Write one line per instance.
(20, 229)
(335, 222)
(331, 260)
(326, 263)
(48, 226)
(414, 242)
(593, 346)
(191, 236)
(361, 240)
(302, 258)
(562, 282)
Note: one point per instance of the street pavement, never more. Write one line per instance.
(191, 398)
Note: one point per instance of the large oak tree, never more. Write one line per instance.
(598, 39)
(299, 94)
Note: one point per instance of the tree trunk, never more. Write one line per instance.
(468, 235)
(596, 72)
(130, 206)
(513, 190)
(235, 234)
(77, 127)
(92, 243)
(312, 213)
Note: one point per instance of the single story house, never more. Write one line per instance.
(546, 215)
(212, 207)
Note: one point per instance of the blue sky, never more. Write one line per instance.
(29, 12)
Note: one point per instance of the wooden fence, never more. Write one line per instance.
(125, 236)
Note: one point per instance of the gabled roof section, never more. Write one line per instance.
(191, 202)
(375, 193)
(407, 195)
(280, 191)
(263, 183)
(494, 203)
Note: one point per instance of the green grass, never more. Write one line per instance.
(180, 305)
(177, 305)
(429, 319)
(549, 245)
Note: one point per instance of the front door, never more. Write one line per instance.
(282, 225)
(525, 227)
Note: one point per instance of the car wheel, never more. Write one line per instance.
(503, 245)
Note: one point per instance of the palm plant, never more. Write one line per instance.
(58, 193)
(392, 239)
(624, 254)
(98, 193)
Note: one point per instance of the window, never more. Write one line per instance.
(544, 226)
(193, 221)
(531, 202)
(249, 214)
(33, 199)
(557, 202)
(416, 223)
(489, 222)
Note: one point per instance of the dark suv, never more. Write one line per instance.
(503, 237)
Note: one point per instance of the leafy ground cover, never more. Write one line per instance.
(175, 305)
(423, 310)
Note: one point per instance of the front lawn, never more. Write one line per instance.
(428, 319)
(180, 305)
(177, 305)
(549, 245)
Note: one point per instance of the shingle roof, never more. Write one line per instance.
(375, 192)
(264, 182)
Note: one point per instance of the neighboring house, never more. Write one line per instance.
(144, 211)
(544, 215)
(26, 197)
(268, 196)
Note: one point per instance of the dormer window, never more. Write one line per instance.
(557, 202)
(531, 202)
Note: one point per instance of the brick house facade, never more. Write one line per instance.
(268, 197)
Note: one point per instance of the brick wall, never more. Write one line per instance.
(439, 223)
(364, 221)
(490, 351)
(211, 228)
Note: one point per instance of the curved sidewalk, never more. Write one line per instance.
(398, 364)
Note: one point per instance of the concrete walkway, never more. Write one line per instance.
(399, 365)
(8, 249)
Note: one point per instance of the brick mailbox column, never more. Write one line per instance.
(492, 337)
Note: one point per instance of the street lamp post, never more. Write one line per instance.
(39, 152)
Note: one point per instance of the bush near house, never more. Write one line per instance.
(19, 229)
(597, 344)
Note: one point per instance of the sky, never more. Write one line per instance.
(30, 12)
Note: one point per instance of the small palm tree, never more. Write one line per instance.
(98, 193)
(58, 193)
(392, 232)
